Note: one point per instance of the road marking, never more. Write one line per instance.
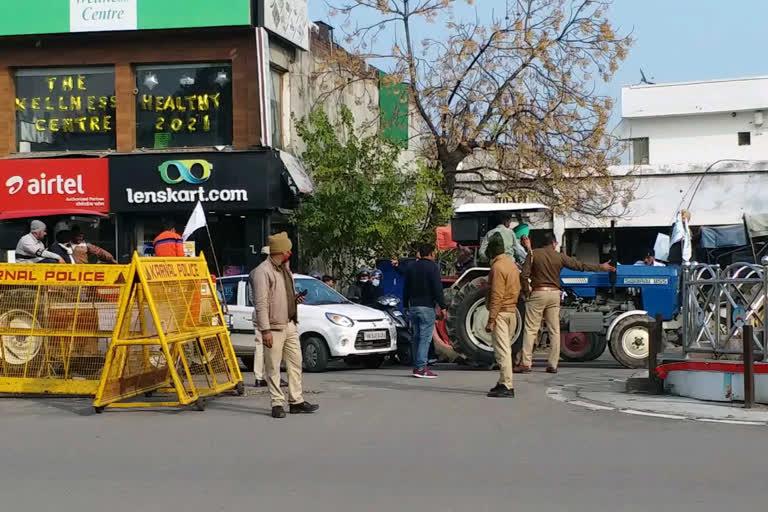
(653, 414)
(560, 393)
(732, 422)
(594, 407)
(556, 394)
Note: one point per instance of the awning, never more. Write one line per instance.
(714, 199)
(299, 179)
(33, 214)
(723, 237)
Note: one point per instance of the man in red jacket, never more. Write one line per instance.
(169, 242)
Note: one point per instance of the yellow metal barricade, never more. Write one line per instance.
(170, 334)
(56, 323)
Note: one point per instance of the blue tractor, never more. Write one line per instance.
(599, 309)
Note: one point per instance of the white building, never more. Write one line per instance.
(701, 146)
(695, 121)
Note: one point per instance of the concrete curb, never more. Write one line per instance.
(608, 395)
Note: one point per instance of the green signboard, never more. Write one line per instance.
(64, 16)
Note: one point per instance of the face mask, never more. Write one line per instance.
(375, 282)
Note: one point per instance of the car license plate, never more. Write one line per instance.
(375, 335)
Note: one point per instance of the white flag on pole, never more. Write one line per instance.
(195, 222)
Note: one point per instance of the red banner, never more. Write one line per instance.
(39, 185)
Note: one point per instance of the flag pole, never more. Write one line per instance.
(213, 251)
(195, 222)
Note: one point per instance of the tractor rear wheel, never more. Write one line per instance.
(577, 346)
(467, 318)
(599, 347)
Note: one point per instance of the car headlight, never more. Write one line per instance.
(341, 320)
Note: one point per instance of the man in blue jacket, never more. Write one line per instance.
(422, 294)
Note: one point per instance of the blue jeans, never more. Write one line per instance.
(422, 321)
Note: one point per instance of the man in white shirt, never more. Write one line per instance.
(650, 260)
(31, 248)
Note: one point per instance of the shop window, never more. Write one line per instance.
(276, 106)
(65, 109)
(185, 105)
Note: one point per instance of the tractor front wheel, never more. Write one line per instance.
(630, 341)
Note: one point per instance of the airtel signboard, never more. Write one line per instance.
(54, 184)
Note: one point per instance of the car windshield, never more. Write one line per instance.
(318, 293)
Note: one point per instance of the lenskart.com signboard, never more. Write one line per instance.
(63, 16)
(223, 182)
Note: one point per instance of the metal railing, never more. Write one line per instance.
(716, 303)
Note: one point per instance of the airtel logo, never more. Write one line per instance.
(44, 186)
(14, 184)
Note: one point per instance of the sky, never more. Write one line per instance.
(675, 40)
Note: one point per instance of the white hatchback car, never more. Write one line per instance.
(330, 326)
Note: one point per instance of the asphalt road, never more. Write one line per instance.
(381, 441)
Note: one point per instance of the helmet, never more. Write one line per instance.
(316, 275)
(363, 275)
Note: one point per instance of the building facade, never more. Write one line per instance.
(161, 104)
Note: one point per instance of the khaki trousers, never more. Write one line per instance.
(506, 323)
(285, 345)
(258, 357)
(544, 303)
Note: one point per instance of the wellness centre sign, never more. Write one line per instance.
(63, 16)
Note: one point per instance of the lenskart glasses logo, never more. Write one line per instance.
(176, 171)
(193, 172)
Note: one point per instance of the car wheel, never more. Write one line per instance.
(314, 354)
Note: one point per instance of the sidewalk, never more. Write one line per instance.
(609, 394)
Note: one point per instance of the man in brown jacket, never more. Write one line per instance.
(275, 313)
(504, 286)
(81, 249)
(542, 267)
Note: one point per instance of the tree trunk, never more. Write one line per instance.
(448, 187)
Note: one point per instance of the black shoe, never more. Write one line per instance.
(260, 383)
(500, 391)
(278, 412)
(283, 384)
(303, 407)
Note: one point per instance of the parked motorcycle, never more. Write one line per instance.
(391, 306)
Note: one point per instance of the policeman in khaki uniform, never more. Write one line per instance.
(275, 311)
(542, 267)
(504, 290)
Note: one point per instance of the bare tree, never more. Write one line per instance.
(504, 106)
